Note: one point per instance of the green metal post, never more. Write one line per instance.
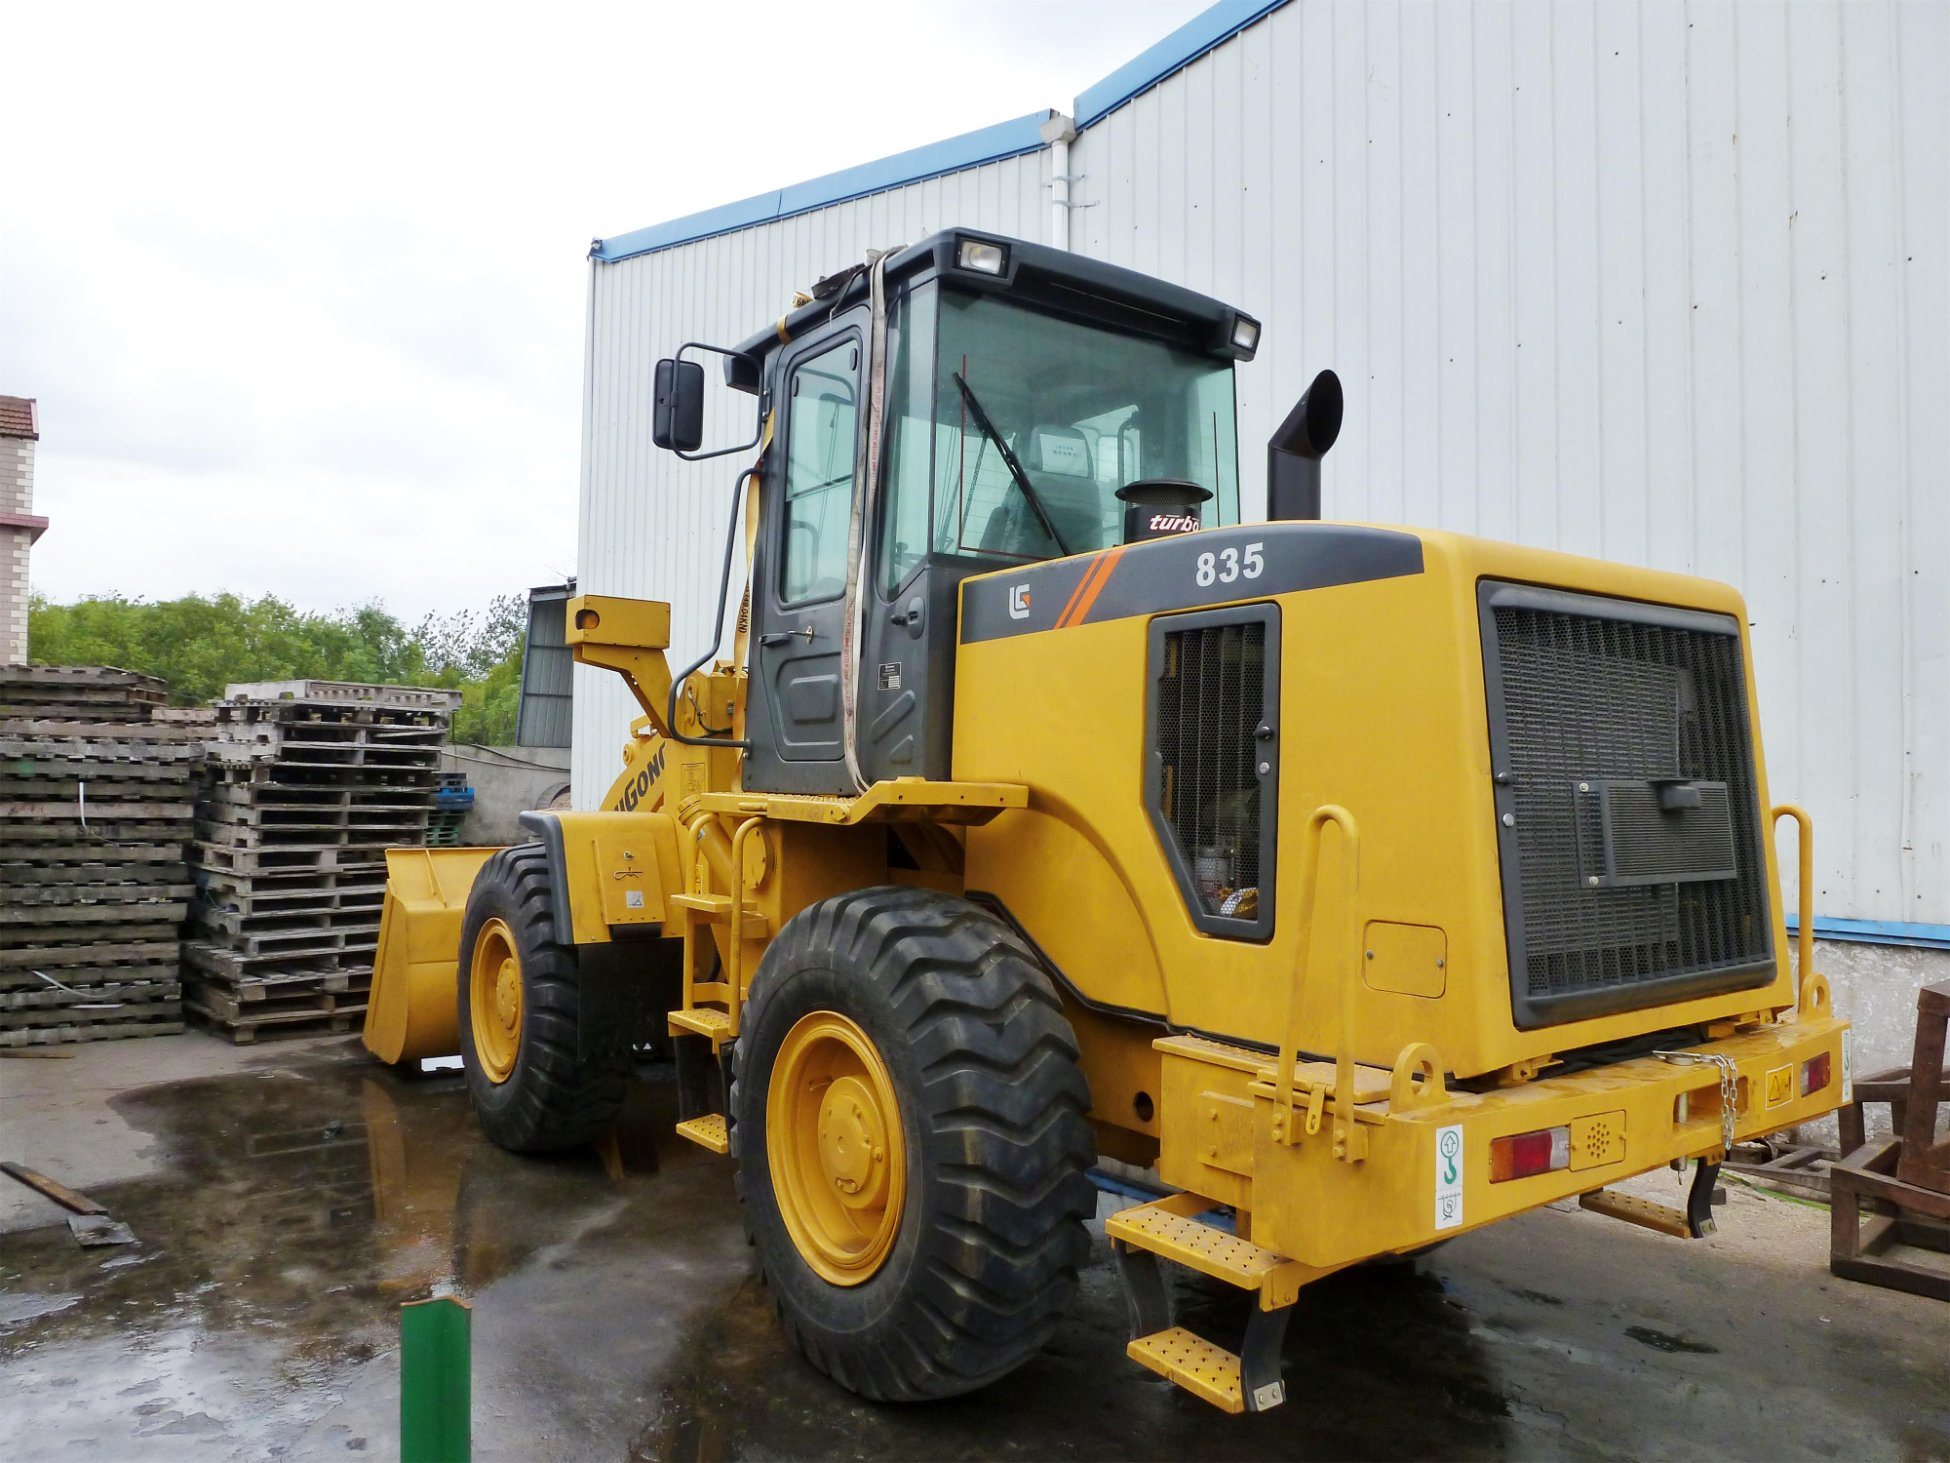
(436, 1390)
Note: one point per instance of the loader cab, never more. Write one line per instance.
(1024, 388)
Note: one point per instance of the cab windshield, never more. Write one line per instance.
(1082, 410)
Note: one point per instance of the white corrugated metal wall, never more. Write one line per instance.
(1665, 284)
(1657, 283)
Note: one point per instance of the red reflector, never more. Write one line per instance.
(1814, 1074)
(1522, 1154)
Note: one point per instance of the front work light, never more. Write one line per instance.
(1245, 334)
(981, 256)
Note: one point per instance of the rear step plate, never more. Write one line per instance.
(708, 1131)
(1199, 1366)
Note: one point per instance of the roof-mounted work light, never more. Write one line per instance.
(982, 257)
(1245, 335)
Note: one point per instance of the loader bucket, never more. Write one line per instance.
(413, 1010)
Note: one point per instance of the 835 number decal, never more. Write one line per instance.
(1230, 564)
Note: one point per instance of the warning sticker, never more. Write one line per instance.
(633, 899)
(1448, 1177)
(890, 675)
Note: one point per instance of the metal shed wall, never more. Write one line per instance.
(653, 526)
(1664, 284)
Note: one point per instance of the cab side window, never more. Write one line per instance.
(821, 442)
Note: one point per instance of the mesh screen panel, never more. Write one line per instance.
(1588, 698)
(1211, 701)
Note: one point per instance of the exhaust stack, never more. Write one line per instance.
(1294, 450)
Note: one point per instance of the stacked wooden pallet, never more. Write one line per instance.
(307, 784)
(95, 805)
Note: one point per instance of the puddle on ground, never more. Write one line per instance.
(1379, 1362)
(299, 1202)
(297, 1205)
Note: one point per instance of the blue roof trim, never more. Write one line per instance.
(1183, 46)
(971, 149)
(1878, 932)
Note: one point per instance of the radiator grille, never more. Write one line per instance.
(1209, 795)
(1597, 713)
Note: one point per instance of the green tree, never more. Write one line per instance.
(200, 644)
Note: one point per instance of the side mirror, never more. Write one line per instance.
(677, 418)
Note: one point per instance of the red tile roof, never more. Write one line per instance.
(18, 418)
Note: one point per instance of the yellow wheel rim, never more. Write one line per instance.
(834, 1142)
(494, 999)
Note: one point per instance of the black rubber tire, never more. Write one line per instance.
(552, 1098)
(984, 1067)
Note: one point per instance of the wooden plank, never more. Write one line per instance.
(108, 994)
(52, 917)
(69, 808)
(104, 1031)
(134, 946)
(60, 1193)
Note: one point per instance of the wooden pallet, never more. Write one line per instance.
(346, 695)
(15, 918)
(70, 811)
(110, 832)
(62, 883)
(90, 854)
(306, 892)
(276, 1025)
(305, 940)
(339, 793)
(362, 912)
(254, 988)
(258, 822)
(102, 1031)
(29, 1007)
(233, 965)
(87, 947)
(19, 980)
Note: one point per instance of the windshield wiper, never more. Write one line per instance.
(1009, 458)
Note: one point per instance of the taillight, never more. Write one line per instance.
(1814, 1074)
(1522, 1154)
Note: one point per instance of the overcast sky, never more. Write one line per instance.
(301, 290)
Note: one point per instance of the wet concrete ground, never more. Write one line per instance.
(287, 1199)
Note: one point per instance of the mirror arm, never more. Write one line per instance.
(758, 427)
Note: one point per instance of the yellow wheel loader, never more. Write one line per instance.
(1358, 886)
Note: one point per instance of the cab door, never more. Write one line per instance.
(795, 721)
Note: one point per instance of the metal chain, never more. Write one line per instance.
(1729, 1088)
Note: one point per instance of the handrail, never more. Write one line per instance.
(1804, 934)
(1312, 837)
(735, 956)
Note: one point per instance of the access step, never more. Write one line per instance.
(1695, 1221)
(1201, 1367)
(716, 909)
(1173, 1228)
(703, 1021)
(1170, 1229)
(709, 1131)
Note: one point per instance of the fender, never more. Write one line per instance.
(609, 873)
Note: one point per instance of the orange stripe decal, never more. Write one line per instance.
(1076, 594)
(1097, 586)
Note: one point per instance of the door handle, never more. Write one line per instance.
(910, 617)
(779, 637)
